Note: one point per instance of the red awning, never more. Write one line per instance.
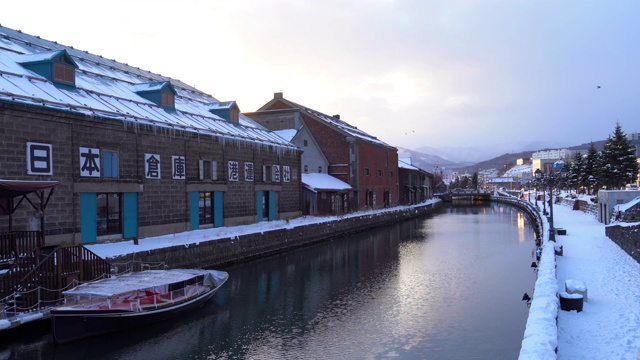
(14, 188)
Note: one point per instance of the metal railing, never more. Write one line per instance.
(31, 284)
(16, 244)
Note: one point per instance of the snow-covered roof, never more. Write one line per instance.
(107, 89)
(336, 123)
(152, 86)
(518, 170)
(286, 134)
(223, 105)
(626, 206)
(404, 165)
(129, 282)
(319, 182)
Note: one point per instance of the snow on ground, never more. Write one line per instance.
(609, 325)
(106, 250)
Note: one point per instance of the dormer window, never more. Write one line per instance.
(64, 73)
(56, 66)
(168, 100)
(227, 110)
(160, 93)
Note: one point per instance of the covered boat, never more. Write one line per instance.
(131, 300)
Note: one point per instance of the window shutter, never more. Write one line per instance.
(201, 169)
(214, 170)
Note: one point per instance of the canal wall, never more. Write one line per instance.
(226, 251)
(627, 237)
(540, 339)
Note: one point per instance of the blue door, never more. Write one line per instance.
(272, 205)
(218, 207)
(260, 205)
(130, 221)
(194, 209)
(88, 218)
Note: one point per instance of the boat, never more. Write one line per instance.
(131, 300)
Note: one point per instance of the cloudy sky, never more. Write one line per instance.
(439, 73)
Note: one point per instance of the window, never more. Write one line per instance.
(109, 164)
(271, 173)
(391, 173)
(320, 169)
(168, 100)
(161, 93)
(64, 73)
(366, 171)
(305, 143)
(205, 207)
(379, 172)
(56, 66)
(306, 168)
(207, 170)
(109, 210)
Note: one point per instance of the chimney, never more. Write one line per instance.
(337, 116)
(278, 95)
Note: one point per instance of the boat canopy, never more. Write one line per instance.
(122, 284)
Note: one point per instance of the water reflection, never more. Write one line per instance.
(444, 287)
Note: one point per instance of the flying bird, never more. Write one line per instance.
(598, 86)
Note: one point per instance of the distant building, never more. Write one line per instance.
(417, 184)
(553, 154)
(361, 160)
(609, 199)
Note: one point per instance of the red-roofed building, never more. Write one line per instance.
(361, 160)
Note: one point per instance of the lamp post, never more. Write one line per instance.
(547, 180)
(541, 181)
(552, 231)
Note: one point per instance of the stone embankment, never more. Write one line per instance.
(220, 252)
(540, 338)
(627, 237)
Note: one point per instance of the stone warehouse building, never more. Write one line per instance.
(334, 147)
(136, 154)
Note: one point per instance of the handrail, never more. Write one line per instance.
(16, 244)
(57, 271)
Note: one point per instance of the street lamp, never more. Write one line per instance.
(540, 178)
(548, 179)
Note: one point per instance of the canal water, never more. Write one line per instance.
(444, 287)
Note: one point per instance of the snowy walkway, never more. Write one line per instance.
(609, 325)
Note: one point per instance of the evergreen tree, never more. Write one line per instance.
(591, 169)
(619, 164)
(574, 171)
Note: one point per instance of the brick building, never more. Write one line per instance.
(416, 184)
(136, 154)
(361, 160)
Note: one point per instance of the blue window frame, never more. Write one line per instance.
(109, 164)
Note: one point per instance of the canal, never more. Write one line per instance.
(444, 287)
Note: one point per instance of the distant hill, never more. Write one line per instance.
(598, 144)
(430, 162)
(501, 163)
